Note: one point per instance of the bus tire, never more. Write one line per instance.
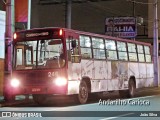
(9, 97)
(40, 99)
(130, 92)
(83, 92)
(132, 89)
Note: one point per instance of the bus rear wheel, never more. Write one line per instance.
(83, 92)
(132, 89)
(130, 92)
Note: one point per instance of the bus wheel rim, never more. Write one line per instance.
(83, 92)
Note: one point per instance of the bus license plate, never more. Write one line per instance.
(36, 89)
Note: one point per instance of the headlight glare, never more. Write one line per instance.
(15, 83)
(60, 81)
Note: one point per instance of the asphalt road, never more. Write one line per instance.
(145, 106)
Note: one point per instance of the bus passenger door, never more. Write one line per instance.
(24, 57)
(19, 57)
(74, 66)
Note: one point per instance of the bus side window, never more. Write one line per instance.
(75, 52)
(147, 53)
(85, 46)
(69, 52)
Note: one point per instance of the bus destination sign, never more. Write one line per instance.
(28, 35)
(38, 34)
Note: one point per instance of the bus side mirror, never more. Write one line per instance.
(73, 44)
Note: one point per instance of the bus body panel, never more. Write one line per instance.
(74, 77)
(110, 75)
(141, 80)
(38, 81)
(143, 73)
(104, 75)
(150, 75)
(133, 70)
(1, 75)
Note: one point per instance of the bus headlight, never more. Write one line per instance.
(15, 83)
(60, 81)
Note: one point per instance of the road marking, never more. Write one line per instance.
(155, 89)
(143, 97)
(110, 118)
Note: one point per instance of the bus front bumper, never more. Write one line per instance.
(39, 90)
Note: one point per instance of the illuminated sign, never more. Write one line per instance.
(124, 27)
(37, 34)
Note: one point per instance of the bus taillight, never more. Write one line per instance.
(60, 32)
(15, 36)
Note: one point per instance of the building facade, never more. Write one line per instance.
(90, 16)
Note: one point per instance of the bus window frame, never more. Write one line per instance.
(132, 52)
(36, 57)
(91, 55)
(111, 49)
(141, 53)
(71, 53)
(92, 48)
(121, 51)
(147, 54)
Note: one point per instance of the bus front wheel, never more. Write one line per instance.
(83, 92)
(9, 97)
(40, 99)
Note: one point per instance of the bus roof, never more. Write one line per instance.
(87, 34)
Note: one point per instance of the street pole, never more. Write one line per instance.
(68, 13)
(10, 27)
(29, 15)
(155, 45)
(134, 10)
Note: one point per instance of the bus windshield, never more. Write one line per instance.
(39, 54)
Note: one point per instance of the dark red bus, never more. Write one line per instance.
(59, 61)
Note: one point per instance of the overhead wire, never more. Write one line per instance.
(108, 9)
(4, 1)
(134, 1)
(144, 3)
(116, 12)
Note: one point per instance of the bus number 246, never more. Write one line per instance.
(52, 74)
